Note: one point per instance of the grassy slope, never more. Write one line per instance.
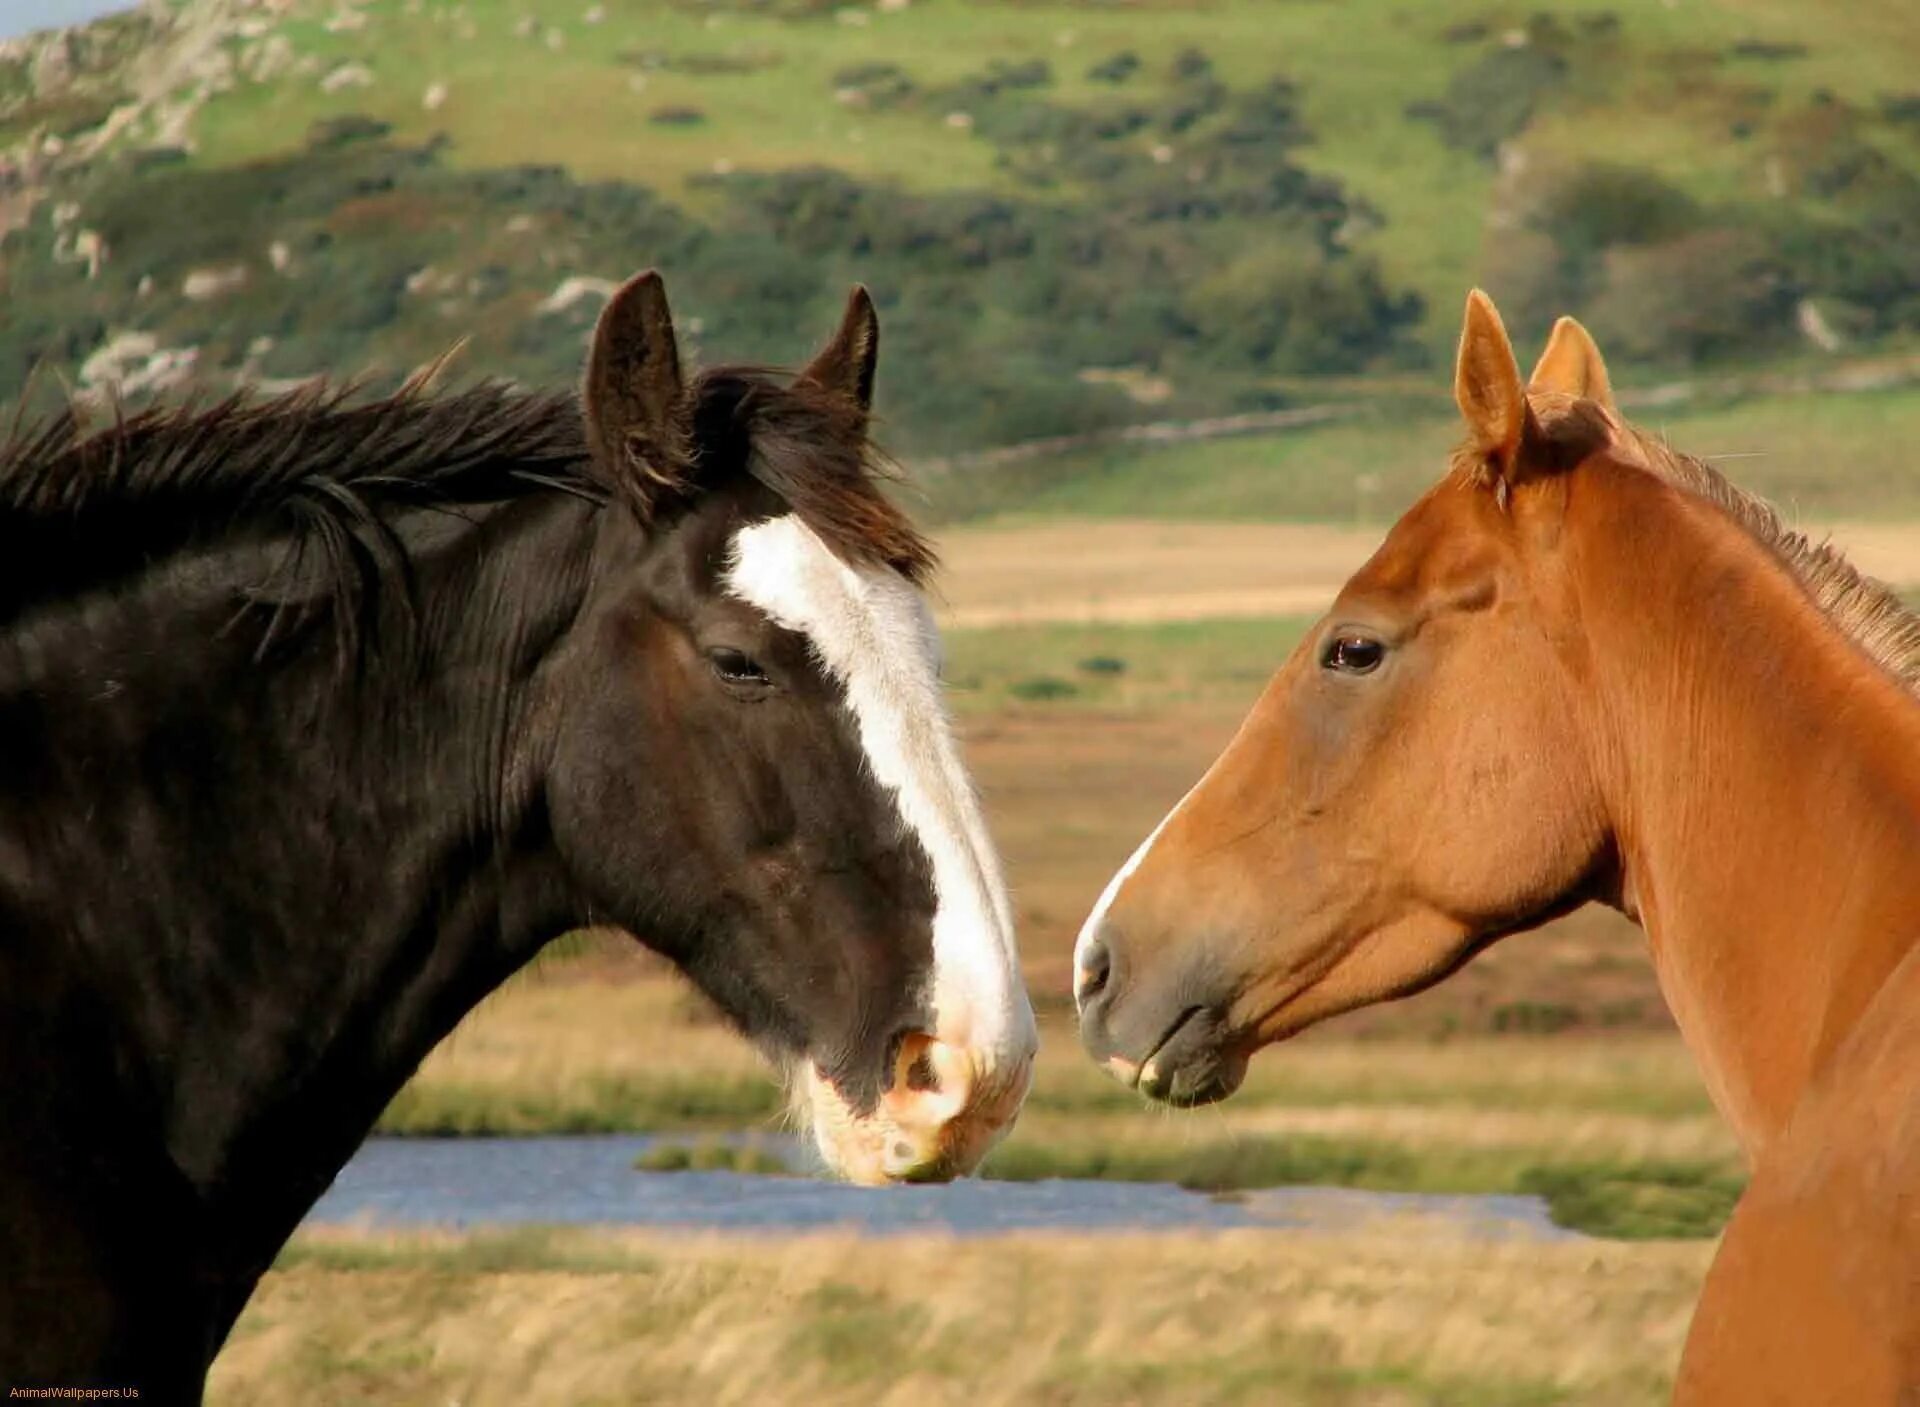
(514, 98)
(1821, 455)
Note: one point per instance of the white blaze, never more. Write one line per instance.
(872, 630)
(1091, 927)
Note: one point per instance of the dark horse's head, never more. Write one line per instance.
(320, 715)
(752, 766)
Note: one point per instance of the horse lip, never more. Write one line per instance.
(1179, 1024)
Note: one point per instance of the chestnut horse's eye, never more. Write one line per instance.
(734, 667)
(1353, 654)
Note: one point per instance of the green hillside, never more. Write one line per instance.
(1074, 215)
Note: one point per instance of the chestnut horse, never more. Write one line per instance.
(1585, 667)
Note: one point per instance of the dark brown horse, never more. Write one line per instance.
(318, 719)
(1585, 667)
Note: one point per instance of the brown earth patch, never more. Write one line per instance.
(1144, 571)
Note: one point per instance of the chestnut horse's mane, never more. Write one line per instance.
(1865, 609)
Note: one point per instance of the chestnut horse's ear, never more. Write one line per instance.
(1486, 384)
(846, 365)
(1572, 364)
(633, 390)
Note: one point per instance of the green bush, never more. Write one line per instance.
(1040, 688)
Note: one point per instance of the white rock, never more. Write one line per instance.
(134, 362)
(575, 288)
(347, 76)
(1815, 327)
(109, 361)
(90, 249)
(203, 285)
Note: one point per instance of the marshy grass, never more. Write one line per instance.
(711, 1155)
(1613, 1198)
(560, 1051)
(591, 1104)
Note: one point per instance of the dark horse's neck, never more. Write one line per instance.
(266, 876)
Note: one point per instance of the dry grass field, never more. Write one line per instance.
(1386, 1318)
(1116, 570)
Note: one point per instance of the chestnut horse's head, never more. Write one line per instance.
(1412, 784)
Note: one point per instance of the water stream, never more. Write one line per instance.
(467, 1182)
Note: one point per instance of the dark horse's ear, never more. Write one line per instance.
(1487, 387)
(633, 392)
(846, 365)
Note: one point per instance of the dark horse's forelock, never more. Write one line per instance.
(810, 447)
(82, 505)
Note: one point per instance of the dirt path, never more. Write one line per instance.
(1126, 570)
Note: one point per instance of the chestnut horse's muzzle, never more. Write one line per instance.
(1166, 1033)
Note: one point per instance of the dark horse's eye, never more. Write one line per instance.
(1353, 654)
(735, 667)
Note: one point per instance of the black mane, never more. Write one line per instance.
(81, 507)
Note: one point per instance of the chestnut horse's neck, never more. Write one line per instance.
(1762, 776)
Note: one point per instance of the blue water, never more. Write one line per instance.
(394, 1182)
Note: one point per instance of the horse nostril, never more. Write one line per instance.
(1095, 967)
(921, 1075)
(929, 1075)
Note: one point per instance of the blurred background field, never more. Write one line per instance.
(1168, 290)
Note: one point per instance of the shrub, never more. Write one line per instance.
(1692, 298)
(1290, 307)
(1040, 688)
(1115, 68)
